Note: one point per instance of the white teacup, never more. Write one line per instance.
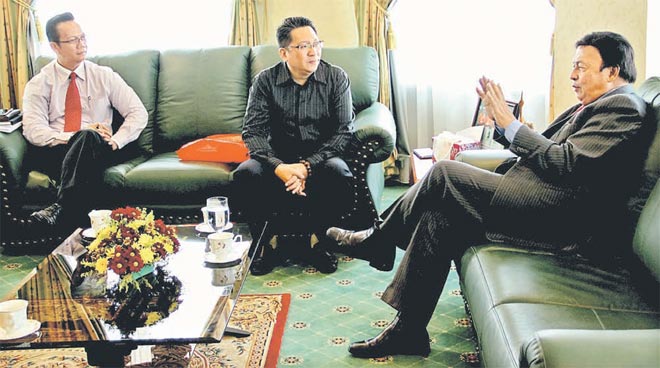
(99, 219)
(221, 244)
(13, 315)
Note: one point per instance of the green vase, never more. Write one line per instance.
(146, 270)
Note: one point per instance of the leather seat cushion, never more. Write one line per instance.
(493, 275)
(165, 179)
(505, 328)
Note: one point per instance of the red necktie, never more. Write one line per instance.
(72, 108)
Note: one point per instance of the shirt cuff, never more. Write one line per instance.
(511, 130)
(63, 136)
(274, 162)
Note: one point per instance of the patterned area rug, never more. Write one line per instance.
(264, 315)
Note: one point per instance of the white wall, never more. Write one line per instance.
(575, 19)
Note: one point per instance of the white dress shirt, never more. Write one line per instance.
(100, 88)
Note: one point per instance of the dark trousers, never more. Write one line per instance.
(259, 195)
(434, 221)
(79, 165)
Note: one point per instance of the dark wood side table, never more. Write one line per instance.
(420, 166)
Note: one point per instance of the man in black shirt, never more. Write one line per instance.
(298, 122)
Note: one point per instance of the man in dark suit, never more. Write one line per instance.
(557, 191)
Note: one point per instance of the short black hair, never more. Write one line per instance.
(288, 25)
(615, 50)
(51, 26)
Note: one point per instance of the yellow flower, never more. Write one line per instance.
(101, 265)
(94, 245)
(152, 317)
(147, 255)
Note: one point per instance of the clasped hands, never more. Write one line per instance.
(494, 102)
(294, 177)
(104, 132)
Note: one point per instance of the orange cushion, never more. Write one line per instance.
(226, 148)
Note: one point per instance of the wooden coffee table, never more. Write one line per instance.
(190, 304)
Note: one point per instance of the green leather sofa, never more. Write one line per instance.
(190, 94)
(532, 308)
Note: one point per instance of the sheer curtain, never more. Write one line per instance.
(124, 25)
(443, 47)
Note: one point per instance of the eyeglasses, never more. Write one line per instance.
(75, 40)
(304, 46)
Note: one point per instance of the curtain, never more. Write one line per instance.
(375, 30)
(443, 47)
(18, 37)
(244, 29)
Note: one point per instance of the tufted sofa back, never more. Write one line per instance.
(219, 80)
(360, 63)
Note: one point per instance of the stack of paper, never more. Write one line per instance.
(10, 120)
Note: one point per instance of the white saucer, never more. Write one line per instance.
(31, 326)
(207, 229)
(232, 259)
(88, 233)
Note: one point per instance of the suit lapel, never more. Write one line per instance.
(561, 120)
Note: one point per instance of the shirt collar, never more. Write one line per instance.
(320, 75)
(63, 73)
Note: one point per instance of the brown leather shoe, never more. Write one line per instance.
(395, 339)
(48, 216)
(365, 244)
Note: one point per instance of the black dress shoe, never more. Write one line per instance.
(265, 263)
(395, 339)
(365, 244)
(322, 260)
(48, 216)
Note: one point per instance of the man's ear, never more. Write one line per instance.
(283, 54)
(614, 72)
(55, 47)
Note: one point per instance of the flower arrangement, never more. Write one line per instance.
(132, 243)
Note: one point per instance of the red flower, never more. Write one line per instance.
(134, 261)
(128, 213)
(128, 235)
(160, 249)
(119, 265)
(161, 227)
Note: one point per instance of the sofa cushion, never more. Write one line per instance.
(360, 63)
(163, 180)
(494, 275)
(503, 330)
(201, 92)
(139, 69)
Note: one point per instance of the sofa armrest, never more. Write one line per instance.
(13, 147)
(375, 128)
(592, 348)
(485, 159)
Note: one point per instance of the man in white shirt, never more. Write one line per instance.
(67, 117)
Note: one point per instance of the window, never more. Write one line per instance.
(123, 25)
(652, 40)
(443, 47)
